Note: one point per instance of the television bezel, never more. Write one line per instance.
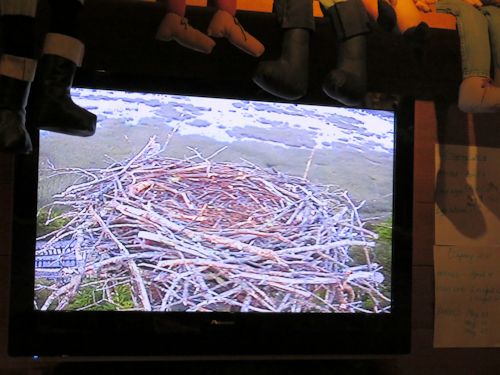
(209, 335)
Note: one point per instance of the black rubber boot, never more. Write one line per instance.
(51, 106)
(13, 97)
(347, 83)
(287, 77)
(417, 36)
(386, 15)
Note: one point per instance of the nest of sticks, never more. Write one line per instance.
(195, 235)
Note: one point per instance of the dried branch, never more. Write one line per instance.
(196, 235)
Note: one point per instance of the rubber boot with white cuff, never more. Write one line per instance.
(51, 106)
(16, 74)
(479, 95)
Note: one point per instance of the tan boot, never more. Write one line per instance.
(175, 27)
(478, 95)
(224, 25)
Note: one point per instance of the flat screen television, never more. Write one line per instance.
(192, 226)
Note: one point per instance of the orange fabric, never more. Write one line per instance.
(227, 6)
(176, 6)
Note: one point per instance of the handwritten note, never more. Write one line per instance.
(467, 195)
(467, 308)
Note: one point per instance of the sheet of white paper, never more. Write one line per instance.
(467, 196)
(467, 292)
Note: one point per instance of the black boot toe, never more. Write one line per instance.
(345, 87)
(14, 138)
(13, 97)
(275, 78)
(287, 77)
(58, 113)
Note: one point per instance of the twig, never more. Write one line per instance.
(131, 264)
(309, 162)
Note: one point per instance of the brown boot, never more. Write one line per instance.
(478, 95)
(175, 27)
(224, 25)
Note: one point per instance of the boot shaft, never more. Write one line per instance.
(349, 19)
(55, 72)
(295, 46)
(13, 93)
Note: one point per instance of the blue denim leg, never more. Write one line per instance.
(474, 40)
(492, 14)
(294, 14)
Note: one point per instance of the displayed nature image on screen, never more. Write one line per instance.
(195, 204)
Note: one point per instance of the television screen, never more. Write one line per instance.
(196, 204)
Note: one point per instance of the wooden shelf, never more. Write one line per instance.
(121, 52)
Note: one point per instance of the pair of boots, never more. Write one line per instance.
(50, 104)
(287, 77)
(222, 25)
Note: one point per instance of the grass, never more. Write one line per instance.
(42, 227)
(383, 252)
(121, 299)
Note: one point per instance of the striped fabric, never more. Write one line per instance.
(18, 7)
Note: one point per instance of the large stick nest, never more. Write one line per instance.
(195, 235)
